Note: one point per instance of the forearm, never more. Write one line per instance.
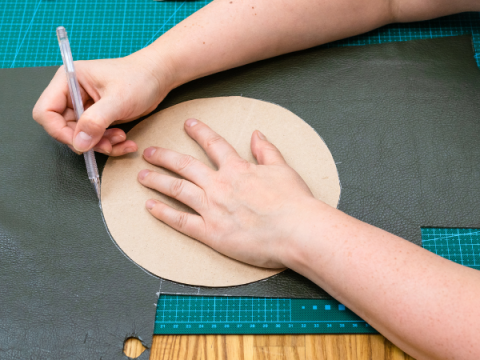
(426, 305)
(229, 33)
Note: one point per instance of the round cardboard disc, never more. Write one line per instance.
(169, 254)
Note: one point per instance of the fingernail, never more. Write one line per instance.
(191, 122)
(142, 174)
(261, 136)
(74, 150)
(150, 204)
(100, 150)
(128, 150)
(150, 151)
(82, 141)
(116, 139)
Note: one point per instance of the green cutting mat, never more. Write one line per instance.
(459, 245)
(96, 28)
(114, 28)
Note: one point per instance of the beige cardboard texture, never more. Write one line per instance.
(169, 254)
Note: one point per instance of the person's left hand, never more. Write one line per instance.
(246, 211)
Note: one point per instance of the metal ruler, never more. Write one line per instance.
(115, 28)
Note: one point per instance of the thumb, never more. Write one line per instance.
(92, 124)
(264, 151)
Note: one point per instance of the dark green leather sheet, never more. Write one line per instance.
(401, 120)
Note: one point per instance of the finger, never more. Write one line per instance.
(56, 126)
(216, 147)
(51, 106)
(92, 124)
(123, 148)
(69, 115)
(103, 146)
(179, 189)
(185, 165)
(115, 136)
(264, 151)
(189, 224)
(73, 149)
(111, 137)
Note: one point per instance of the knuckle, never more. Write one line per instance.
(36, 113)
(183, 162)
(242, 165)
(204, 201)
(176, 187)
(39, 112)
(212, 141)
(60, 71)
(56, 134)
(269, 147)
(181, 220)
(93, 125)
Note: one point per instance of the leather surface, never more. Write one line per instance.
(400, 120)
(66, 292)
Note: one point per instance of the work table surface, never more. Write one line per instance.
(270, 347)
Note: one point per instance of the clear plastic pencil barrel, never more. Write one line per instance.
(76, 96)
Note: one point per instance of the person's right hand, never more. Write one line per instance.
(113, 91)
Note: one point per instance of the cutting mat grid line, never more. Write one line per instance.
(97, 29)
(459, 245)
(180, 309)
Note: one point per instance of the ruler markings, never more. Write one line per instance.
(261, 322)
(274, 316)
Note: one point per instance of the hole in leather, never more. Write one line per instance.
(133, 348)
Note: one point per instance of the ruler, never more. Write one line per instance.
(244, 315)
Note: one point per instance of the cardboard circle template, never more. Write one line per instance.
(169, 254)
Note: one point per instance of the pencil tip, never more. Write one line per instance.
(96, 185)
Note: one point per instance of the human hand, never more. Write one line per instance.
(113, 91)
(246, 211)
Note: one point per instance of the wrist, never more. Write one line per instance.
(156, 66)
(310, 242)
